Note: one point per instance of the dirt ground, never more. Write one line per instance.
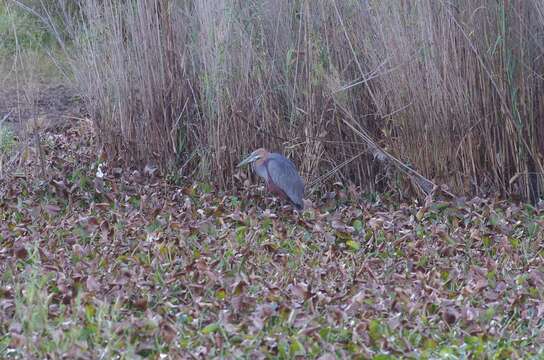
(44, 106)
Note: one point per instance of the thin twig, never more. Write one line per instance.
(5, 117)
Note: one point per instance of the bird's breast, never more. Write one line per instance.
(260, 169)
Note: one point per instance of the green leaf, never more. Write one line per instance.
(489, 314)
(296, 348)
(353, 245)
(429, 344)
(241, 234)
(221, 294)
(533, 229)
(324, 333)
(206, 188)
(90, 311)
(375, 330)
(383, 357)
(266, 224)
(282, 348)
(448, 353)
(234, 201)
(504, 353)
(514, 242)
(211, 328)
(343, 236)
(358, 225)
(494, 220)
(474, 344)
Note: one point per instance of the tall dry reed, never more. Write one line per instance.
(453, 89)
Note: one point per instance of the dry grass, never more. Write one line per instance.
(468, 79)
(452, 88)
(27, 67)
(131, 65)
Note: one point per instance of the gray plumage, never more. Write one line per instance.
(284, 174)
(280, 174)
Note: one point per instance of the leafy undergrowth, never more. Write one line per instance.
(102, 262)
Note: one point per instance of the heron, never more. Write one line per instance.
(279, 173)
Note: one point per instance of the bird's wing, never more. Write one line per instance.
(285, 176)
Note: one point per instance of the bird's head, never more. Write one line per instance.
(258, 154)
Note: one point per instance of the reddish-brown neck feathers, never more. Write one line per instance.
(263, 156)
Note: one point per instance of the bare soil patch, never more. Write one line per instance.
(48, 105)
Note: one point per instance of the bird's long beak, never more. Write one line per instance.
(251, 158)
